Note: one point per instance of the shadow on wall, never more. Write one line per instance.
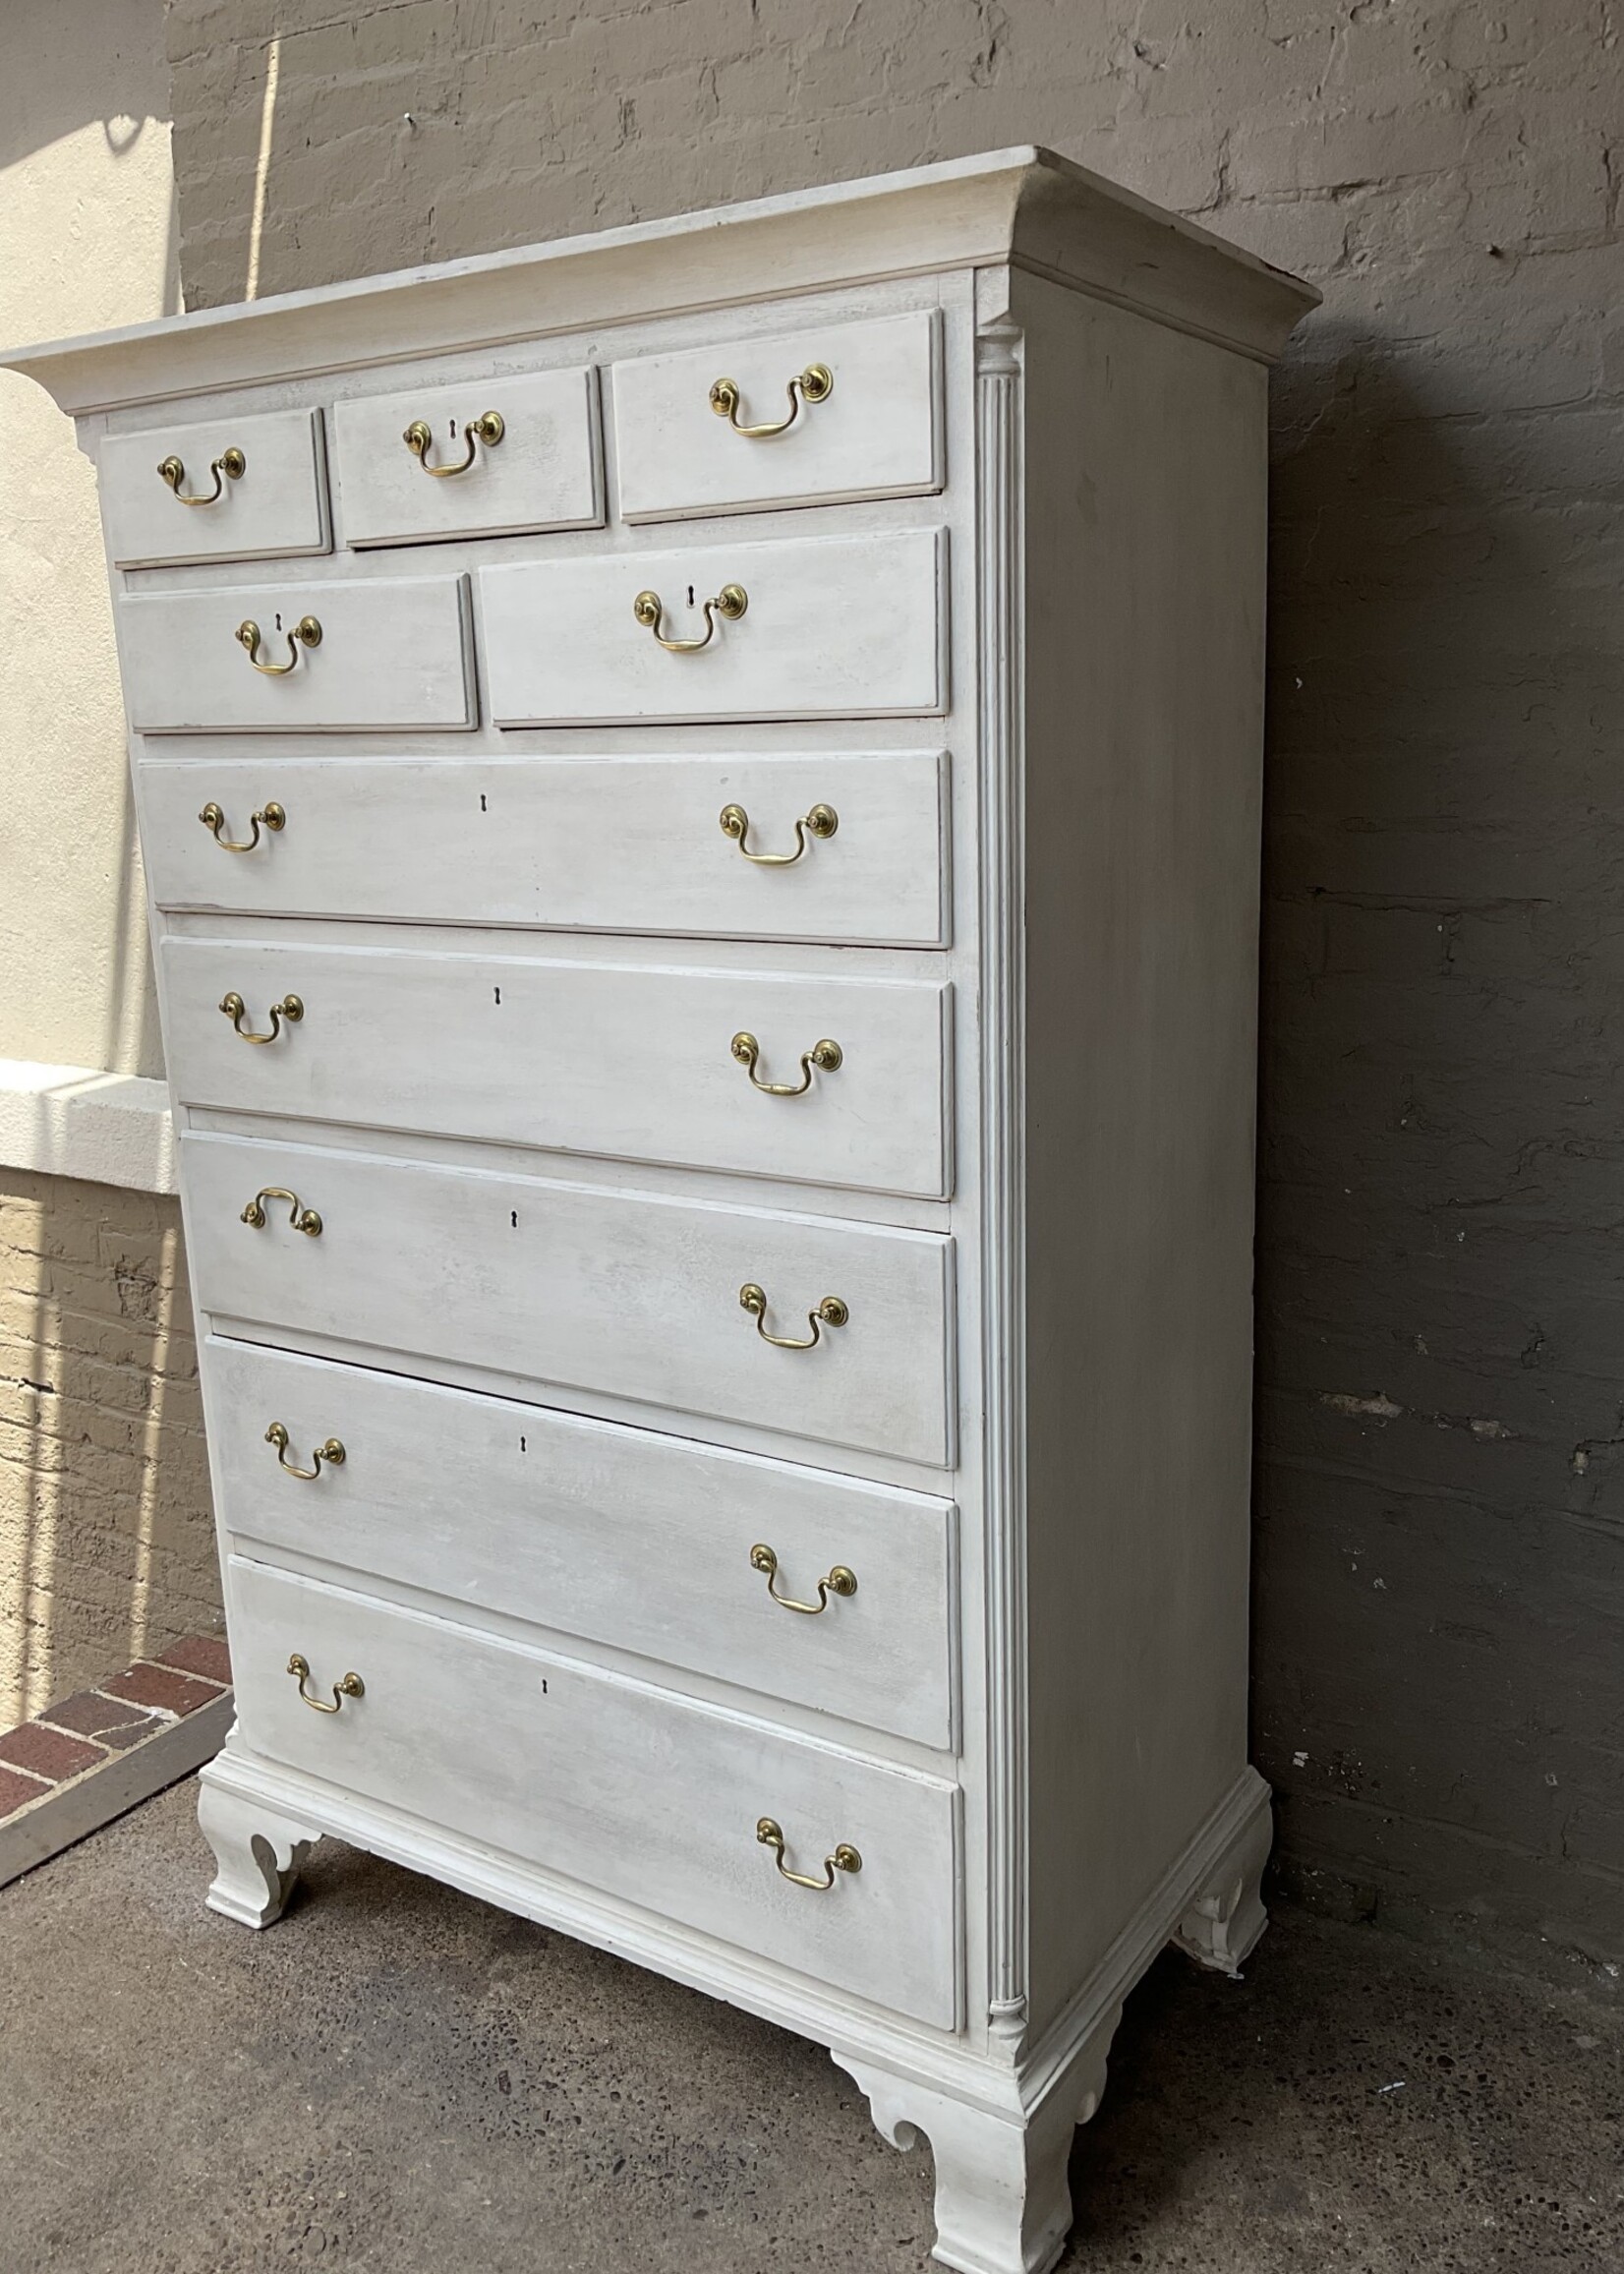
(87, 218)
(1440, 1569)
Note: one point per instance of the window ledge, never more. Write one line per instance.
(71, 1120)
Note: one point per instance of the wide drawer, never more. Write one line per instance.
(385, 654)
(578, 843)
(829, 628)
(233, 488)
(502, 456)
(855, 407)
(621, 1535)
(619, 1787)
(630, 1294)
(634, 1060)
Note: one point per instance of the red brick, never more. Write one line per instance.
(17, 1792)
(200, 1654)
(47, 1752)
(145, 1685)
(108, 1720)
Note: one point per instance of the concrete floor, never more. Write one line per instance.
(398, 2078)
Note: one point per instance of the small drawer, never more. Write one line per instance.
(651, 1544)
(613, 1784)
(833, 627)
(846, 850)
(326, 655)
(831, 412)
(486, 458)
(632, 1061)
(634, 1294)
(231, 490)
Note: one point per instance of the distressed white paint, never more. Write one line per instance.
(634, 1060)
(546, 472)
(843, 627)
(613, 1783)
(392, 653)
(277, 505)
(565, 1285)
(877, 434)
(574, 844)
(623, 1537)
(1042, 1761)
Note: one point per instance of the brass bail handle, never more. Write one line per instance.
(229, 466)
(307, 633)
(488, 428)
(332, 1452)
(301, 1218)
(290, 1007)
(273, 817)
(347, 1686)
(824, 1057)
(842, 1579)
(730, 604)
(815, 384)
(831, 1312)
(819, 820)
(843, 1858)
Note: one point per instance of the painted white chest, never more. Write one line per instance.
(699, 788)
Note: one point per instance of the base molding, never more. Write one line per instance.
(999, 2118)
(1003, 2201)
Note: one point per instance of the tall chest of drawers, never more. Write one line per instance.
(699, 788)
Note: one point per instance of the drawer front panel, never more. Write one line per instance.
(263, 478)
(391, 655)
(634, 1062)
(876, 432)
(618, 1786)
(833, 627)
(621, 1535)
(542, 472)
(623, 1293)
(604, 844)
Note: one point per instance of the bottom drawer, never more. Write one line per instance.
(647, 1796)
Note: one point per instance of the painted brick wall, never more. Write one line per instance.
(1440, 1595)
(106, 1538)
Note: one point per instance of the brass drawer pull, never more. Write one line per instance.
(730, 602)
(815, 384)
(842, 1579)
(771, 1835)
(307, 630)
(332, 1452)
(301, 1219)
(487, 429)
(349, 1686)
(825, 1056)
(235, 1008)
(231, 464)
(831, 1312)
(820, 821)
(272, 816)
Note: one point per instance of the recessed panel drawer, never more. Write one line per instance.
(637, 1061)
(611, 845)
(630, 1294)
(625, 1536)
(613, 1784)
(286, 658)
(486, 458)
(232, 489)
(836, 627)
(829, 412)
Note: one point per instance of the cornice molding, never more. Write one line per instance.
(1025, 208)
